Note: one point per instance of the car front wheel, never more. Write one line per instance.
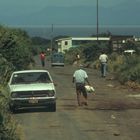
(52, 107)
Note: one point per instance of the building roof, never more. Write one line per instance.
(121, 37)
(84, 38)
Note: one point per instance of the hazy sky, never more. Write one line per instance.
(8, 7)
(16, 10)
(43, 3)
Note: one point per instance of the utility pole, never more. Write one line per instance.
(51, 38)
(97, 23)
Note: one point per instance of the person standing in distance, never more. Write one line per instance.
(42, 58)
(77, 58)
(80, 77)
(103, 58)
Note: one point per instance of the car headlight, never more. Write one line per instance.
(14, 94)
(51, 93)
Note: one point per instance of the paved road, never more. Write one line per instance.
(111, 114)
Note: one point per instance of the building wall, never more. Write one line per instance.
(65, 45)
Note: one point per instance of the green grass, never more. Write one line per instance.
(8, 126)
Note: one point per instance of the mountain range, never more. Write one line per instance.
(124, 14)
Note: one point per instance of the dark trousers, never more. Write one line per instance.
(43, 62)
(81, 91)
(103, 69)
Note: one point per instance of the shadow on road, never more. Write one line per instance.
(33, 110)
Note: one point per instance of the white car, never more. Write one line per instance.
(29, 88)
(129, 52)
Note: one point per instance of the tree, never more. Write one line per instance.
(15, 47)
(15, 51)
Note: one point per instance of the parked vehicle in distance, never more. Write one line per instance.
(129, 52)
(57, 59)
(29, 88)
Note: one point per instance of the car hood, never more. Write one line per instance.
(32, 87)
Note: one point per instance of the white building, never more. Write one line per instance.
(66, 43)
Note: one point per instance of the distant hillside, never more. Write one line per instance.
(126, 13)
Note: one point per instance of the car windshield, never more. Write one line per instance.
(30, 77)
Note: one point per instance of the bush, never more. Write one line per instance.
(15, 47)
(5, 70)
(129, 70)
(114, 62)
(70, 55)
(8, 127)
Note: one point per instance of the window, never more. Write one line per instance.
(66, 42)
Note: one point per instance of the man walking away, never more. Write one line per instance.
(103, 60)
(80, 77)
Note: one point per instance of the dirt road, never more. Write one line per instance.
(112, 114)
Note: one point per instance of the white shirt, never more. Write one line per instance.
(103, 58)
(80, 76)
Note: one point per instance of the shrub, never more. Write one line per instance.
(129, 70)
(70, 55)
(114, 62)
(8, 127)
(15, 47)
